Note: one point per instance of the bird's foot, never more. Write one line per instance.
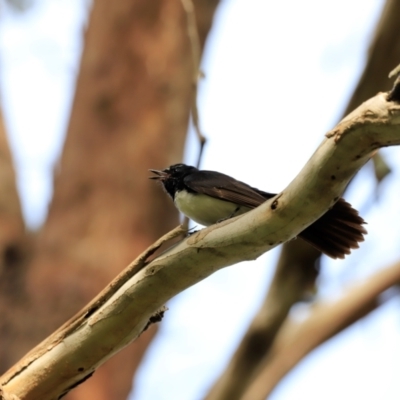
(191, 231)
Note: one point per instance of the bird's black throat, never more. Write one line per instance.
(173, 180)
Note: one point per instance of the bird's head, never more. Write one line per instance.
(172, 177)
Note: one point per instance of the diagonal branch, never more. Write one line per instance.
(122, 318)
(296, 340)
(294, 272)
(79, 319)
(383, 55)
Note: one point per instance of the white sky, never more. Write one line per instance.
(271, 67)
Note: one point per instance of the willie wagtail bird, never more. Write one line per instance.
(207, 197)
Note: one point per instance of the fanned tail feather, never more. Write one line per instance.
(337, 232)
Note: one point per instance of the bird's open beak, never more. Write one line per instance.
(161, 175)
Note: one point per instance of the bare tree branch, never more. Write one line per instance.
(296, 340)
(123, 317)
(196, 51)
(293, 274)
(79, 319)
(383, 55)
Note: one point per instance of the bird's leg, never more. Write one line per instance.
(230, 216)
(191, 231)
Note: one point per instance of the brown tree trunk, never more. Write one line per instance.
(14, 250)
(130, 113)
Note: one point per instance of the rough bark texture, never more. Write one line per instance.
(383, 56)
(130, 113)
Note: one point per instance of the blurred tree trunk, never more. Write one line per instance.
(14, 252)
(130, 113)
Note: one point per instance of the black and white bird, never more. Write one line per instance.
(208, 197)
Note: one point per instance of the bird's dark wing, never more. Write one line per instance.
(224, 187)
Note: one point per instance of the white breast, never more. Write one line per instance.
(204, 209)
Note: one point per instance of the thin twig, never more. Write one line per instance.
(394, 94)
(196, 53)
(193, 35)
(394, 72)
